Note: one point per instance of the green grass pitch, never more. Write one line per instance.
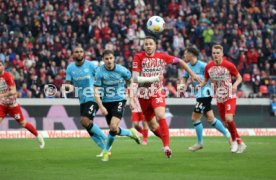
(75, 159)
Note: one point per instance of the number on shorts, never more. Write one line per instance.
(228, 107)
(159, 100)
(91, 109)
(120, 106)
(199, 105)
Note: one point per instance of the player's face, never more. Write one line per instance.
(217, 55)
(78, 54)
(109, 61)
(188, 56)
(149, 46)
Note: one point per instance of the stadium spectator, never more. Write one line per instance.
(42, 30)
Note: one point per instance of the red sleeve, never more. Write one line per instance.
(9, 80)
(206, 74)
(232, 69)
(167, 58)
(136, 64)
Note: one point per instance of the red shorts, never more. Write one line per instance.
(148, 105)
(137, 116)
(14, 112)
(227, 107)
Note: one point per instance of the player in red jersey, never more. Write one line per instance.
(148, 68)
(137, 117)
(220, 72)
(8, 104)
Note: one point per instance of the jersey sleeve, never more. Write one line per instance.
(68, 74)
(126, 74)
(136, 64)
(93, 68)
(9, 80)
(232, 69)
(186, 74)
(98, 78)
(169, 59)
(206, 74)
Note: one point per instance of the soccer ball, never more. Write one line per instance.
(156, 24)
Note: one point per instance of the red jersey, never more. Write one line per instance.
(149, 67)
(6, 81)
(221, 79)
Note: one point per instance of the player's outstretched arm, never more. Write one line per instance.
(186, 68)
(11, 92)
(99, 101)
(201, 84)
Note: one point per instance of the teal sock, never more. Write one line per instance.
(110, 139)
(199, 131)
(220, 127)
(97, 130)
(98, 140)
(124, 132)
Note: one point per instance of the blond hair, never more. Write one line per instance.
(217, 46)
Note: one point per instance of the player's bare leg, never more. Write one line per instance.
(32, 129)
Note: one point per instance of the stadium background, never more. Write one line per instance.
(44, 32)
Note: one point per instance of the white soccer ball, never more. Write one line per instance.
(156, 24)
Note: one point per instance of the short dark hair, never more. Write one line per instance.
(151, 37)
(107, 52)
(193, 50)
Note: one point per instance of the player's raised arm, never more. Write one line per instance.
(186, 68)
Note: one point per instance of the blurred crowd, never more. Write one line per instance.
(45, 32)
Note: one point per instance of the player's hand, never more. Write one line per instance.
(103, 110)
(234, 89)
(196, 78)
(131, 105)
(161, 77)
(198, 86)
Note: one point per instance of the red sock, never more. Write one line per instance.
(157, 132)
(145, 133)
(165, 132)
(233, 131)
(31, 128)
(139, 129)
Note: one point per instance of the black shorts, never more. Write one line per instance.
(115, 109)
(89, 109)
(203, 105)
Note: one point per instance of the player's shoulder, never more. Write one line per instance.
(227, 62)
(140, 55)
(6, 74)
(210, 64)
(120, 67)
(71, 65)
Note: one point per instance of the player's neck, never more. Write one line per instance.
(1, 73)
(111, 68)
(150, 55)
(218, 62)
(194, 61)
(79, 63)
